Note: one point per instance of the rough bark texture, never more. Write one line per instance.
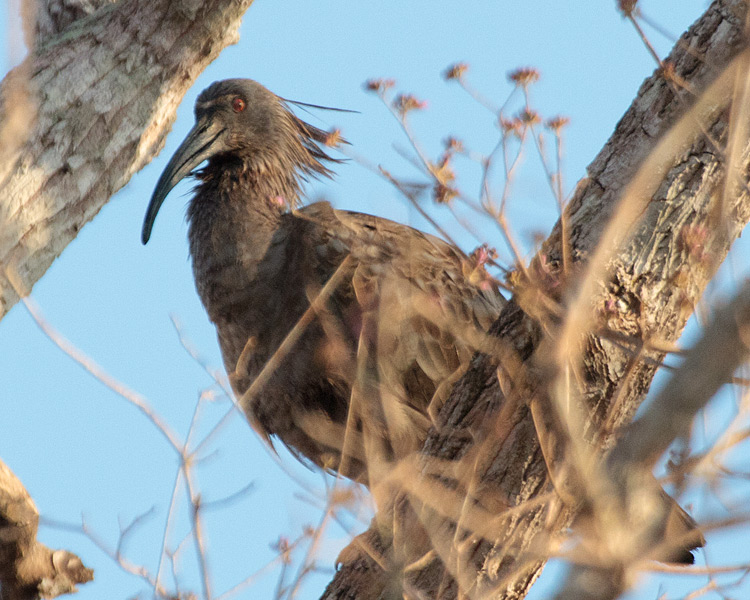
(28, 569)
(91, 106)
(709, 364)
(675, 225)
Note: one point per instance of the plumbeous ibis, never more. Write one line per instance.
(341, 332)
(347, 326)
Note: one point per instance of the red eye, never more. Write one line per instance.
(238, 104)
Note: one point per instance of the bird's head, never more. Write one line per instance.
(240, 120)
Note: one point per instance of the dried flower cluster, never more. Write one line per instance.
(405, 103)
(529, 117)
(627, 7)
(444, 190)
(524, 76)
(455, 71)
(511, 126)
(379, 86)
(453, 144)
(557, 123)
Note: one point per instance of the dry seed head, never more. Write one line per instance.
(443, 194)
(453, 144)
(557, 123)
(405, 103)
(455, 71)
(511, 125)
(443, 190)
(379, 85)
(283, 547)
(524, 76)
(442, 169)
(529, 117)
(627, 7)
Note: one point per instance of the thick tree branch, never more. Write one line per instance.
(710, 364)
(660, 192)
(47, 18)
(28, 569)
(88, 108)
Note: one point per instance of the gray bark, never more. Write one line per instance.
(709, 364)
(649, 225)
(28, 569)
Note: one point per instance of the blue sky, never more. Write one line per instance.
(82, 450)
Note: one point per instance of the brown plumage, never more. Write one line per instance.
(387, 337)
(342, 333)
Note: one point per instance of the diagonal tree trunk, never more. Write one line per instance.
(89, 107)
(580, 343)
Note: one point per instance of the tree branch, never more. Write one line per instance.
(709, 364)
(648, 228)
(28, 569)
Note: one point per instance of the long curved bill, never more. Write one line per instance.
(203, 141)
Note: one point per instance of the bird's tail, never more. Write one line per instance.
(681, 533)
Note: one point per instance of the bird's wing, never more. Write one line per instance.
(429, 311)
(432, 266)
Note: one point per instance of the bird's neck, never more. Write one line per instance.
(233, 217)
